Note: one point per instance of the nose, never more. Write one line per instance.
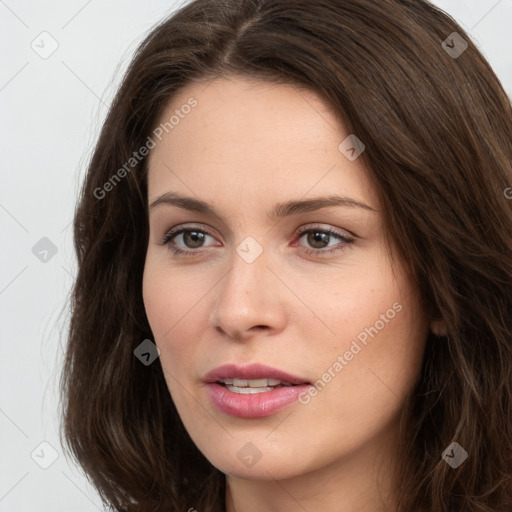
(250, 298)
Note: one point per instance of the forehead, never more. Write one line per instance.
(252, 137)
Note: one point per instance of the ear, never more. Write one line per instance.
(438, 327)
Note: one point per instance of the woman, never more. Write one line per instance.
(295, 267)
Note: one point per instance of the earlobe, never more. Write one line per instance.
(438, 327)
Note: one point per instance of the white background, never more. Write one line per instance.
(51, 111)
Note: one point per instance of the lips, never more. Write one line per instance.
(253, 371)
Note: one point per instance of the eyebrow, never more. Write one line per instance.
(279, 211)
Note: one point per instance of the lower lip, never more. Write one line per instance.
(254, 405)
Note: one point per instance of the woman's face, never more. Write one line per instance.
(251, 287)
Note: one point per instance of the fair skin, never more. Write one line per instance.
(245, 147)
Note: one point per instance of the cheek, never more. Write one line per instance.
(172, 303)
(380, 332)
(155, 295)
(383, 349)
(166, 295)
(164, 304)
(349, 305)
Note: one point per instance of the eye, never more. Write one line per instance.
(193, 238)
(318, 237)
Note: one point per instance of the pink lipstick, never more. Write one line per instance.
(253, 391)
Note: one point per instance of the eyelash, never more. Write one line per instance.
(167, 238)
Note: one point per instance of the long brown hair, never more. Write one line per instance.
(437, 127)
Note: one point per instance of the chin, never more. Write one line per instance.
(280, 467)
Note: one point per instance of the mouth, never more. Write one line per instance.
(253, 391)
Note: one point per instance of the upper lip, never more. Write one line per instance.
(251, 371)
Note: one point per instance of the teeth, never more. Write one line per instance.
(254, 383)
(249, 391)
(257, 383)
